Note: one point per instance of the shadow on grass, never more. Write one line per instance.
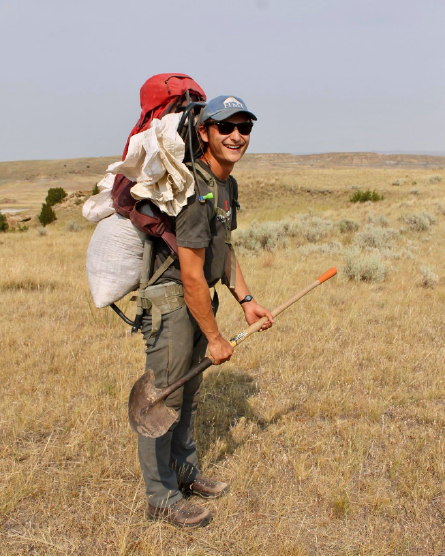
(224, 402)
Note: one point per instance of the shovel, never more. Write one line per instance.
(149, 416)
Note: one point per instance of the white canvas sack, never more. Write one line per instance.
(114, 260)
(100, 206)
(154, 162)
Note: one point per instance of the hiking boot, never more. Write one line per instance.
(205, 488)
(181, 513)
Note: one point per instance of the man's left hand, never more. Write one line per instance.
(253, 311)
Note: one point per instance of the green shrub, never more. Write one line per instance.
(314, 229)
(372, 237)
(419, 221)
(73, 226)
(333, 248)
(404, 253)
(429, 279)
(368, 195)
(275, 234)
(21, 228)
(348, 225)
(3, 223)
(440, 208)
(435, 179)
(367, 267)
(95, 190)
(264, 236)
(47, 215)
(55, 195)
(378, 220)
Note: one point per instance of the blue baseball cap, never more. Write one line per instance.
(223, 107)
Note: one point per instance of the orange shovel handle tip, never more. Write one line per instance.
(329, 274)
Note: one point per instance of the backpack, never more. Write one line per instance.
(160, 95)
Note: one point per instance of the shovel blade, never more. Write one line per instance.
(149, 416)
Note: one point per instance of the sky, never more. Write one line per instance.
(320, 75)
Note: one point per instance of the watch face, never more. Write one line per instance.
(247, 299)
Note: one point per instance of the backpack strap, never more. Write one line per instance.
(147, 279)
(147, 265)
(232, 282)
(210, 181)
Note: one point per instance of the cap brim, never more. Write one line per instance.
(228, 112)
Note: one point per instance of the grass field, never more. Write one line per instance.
(329, 427)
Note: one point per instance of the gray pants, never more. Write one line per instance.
(177, 347)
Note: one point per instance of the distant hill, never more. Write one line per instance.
(74, 169)
(24, 184)
(54, 169)
(344, 159)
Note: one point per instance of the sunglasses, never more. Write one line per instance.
(226, 128)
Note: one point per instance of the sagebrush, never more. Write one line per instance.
(329, 427)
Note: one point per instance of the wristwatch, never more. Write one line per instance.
(248, 298)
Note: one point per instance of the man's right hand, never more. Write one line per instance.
(220, 350)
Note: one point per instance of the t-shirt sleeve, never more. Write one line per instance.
(192, 225)
(234, 223)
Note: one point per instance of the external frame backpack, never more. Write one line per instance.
(160, 95)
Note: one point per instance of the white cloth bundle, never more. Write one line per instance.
(114, 259)
(154, 161)
(100, 206)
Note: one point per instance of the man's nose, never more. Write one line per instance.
(235, 135)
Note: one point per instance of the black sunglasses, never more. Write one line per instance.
(226, 128)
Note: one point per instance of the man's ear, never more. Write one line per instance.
(204, 133)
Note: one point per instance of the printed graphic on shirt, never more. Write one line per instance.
(227, 218)
(231, 102)
(225, 204)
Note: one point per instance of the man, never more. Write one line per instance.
(169, 463)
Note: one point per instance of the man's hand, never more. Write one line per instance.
(220, 350)
(253, 311)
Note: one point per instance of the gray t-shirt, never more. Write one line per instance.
(197, 226)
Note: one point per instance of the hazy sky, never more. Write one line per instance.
(321, 75)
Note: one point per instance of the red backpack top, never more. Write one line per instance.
(160, 95)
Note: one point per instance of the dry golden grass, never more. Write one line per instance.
(24, 184)
(329, 427)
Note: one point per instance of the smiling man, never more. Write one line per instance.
(206, 256)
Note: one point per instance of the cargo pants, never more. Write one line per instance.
(167, 460)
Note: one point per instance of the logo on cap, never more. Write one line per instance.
(231, 102)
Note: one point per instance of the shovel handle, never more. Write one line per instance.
(207, 362)
(255, 327)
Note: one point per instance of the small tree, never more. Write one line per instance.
(47, 215)
(55, 195)
(95, 190)
(3, 223)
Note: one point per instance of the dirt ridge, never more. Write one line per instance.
(94, 166)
